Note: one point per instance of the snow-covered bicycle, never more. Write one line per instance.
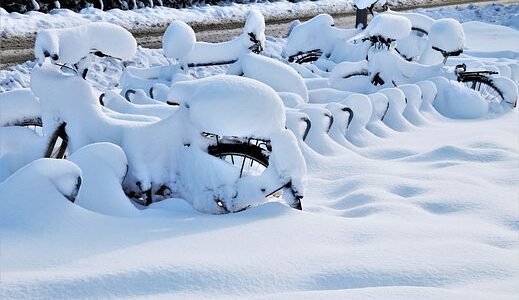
(224, 148)
(384, 66)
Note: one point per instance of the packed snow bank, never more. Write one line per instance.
(231, 105)
(72, 44)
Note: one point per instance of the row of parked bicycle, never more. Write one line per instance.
(330, 87)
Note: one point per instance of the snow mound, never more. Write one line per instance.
(43, 189)
(72, 44)
(389, 26)
(313, 34)
(18, 147)
(279, 76)
(231, 105)
(455, 100)
(178, 40)
(103, 167)
(119, 104)
(255, 24)
(230, 51)
(447, 35)
(18, 106)
(350, 76)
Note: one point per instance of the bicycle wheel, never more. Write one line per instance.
(252, 159)
(58, 142)
(484, 86)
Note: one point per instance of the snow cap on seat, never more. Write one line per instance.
(447, 35)
(178, 40)
(231, 105)
(389, 26)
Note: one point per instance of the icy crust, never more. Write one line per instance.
(389, 26)
(317, 33)
(447, 35)
(231, 105)
(70, 45)
(18, 106)
(279, 76)
(230, 51)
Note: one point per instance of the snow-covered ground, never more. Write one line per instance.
(31, 22)
(427, 213)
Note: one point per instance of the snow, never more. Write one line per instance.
(400, 201)
(15, 24)
(103, 167)
(18, 106)
(230, 51)
(316, 34)
(178, 40)
(389, 26)
(279, 76)
(367, 3)
(231, 105)
(447, 35)
(72, 44)
(456, 101)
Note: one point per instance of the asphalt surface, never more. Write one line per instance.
(16, 50)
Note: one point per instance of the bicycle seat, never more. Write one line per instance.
(179, 39)
(388, 27)
(447, 37)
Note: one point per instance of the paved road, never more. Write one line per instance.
(18, 50)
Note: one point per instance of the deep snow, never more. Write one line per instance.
(33, 21)
(426, 210)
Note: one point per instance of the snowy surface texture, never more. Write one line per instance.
(414, 206)
(31, 22)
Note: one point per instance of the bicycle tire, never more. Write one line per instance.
(484, 85)
(256, 154)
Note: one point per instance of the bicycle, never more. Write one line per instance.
(254, 168)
